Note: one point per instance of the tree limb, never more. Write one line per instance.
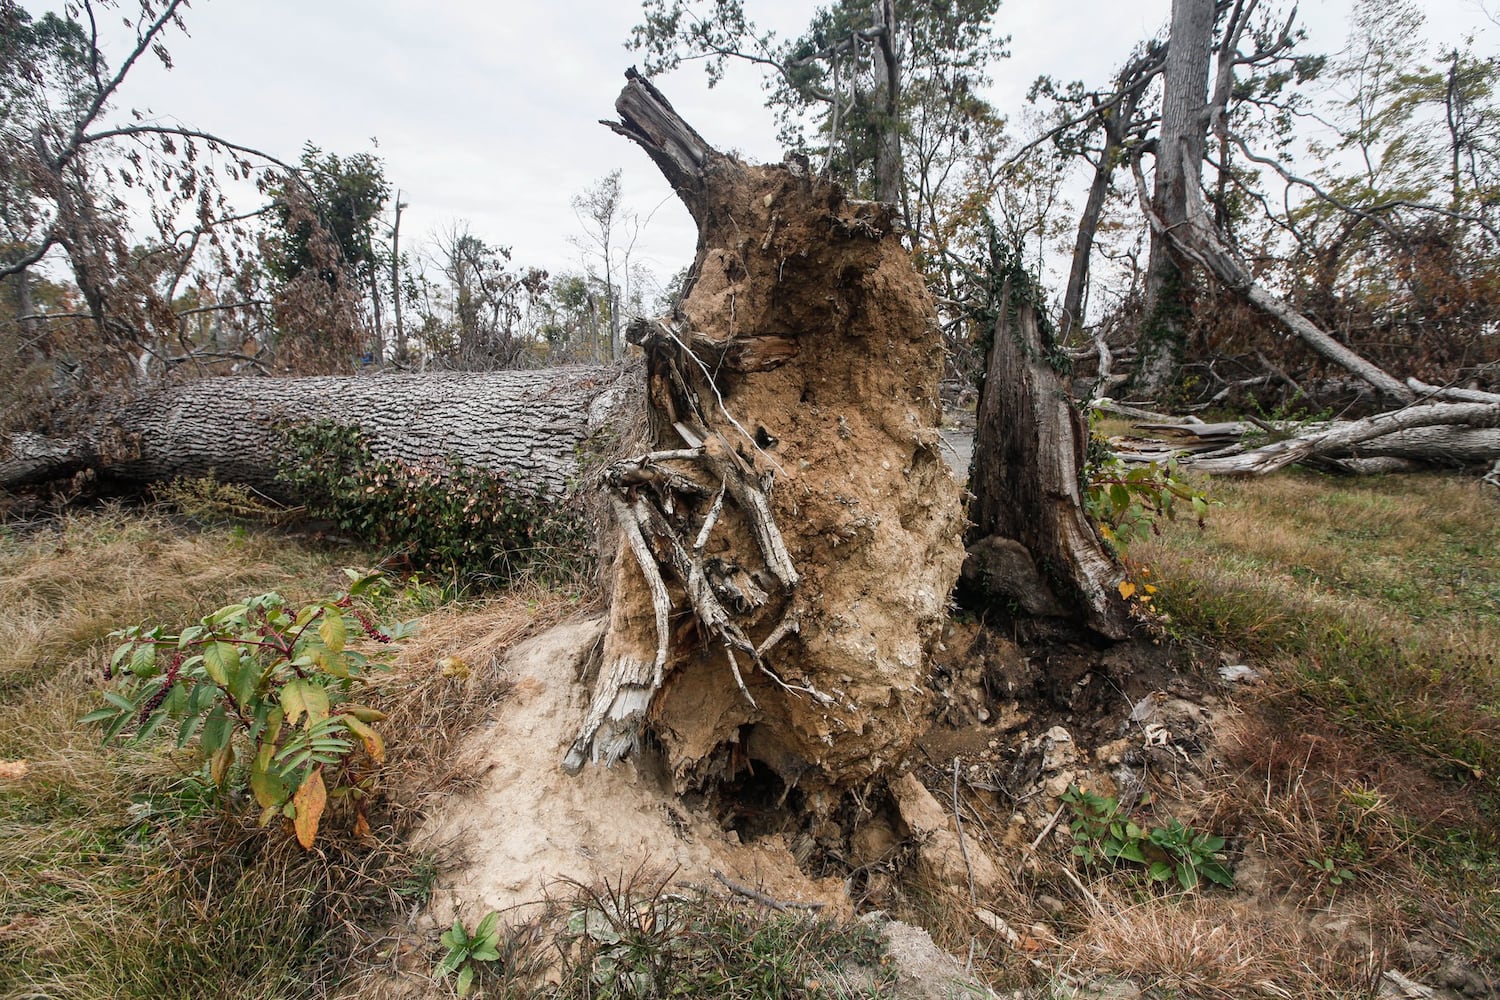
(1198, 241)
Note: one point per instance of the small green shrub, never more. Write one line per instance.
(465, 948)
(265, 693)
(464, 522)
(1128, 502)
(1103, 832)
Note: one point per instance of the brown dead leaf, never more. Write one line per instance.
(14, 770)
(309, 800)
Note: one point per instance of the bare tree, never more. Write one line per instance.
(609, 236)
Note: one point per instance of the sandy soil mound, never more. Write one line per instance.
(526, 824)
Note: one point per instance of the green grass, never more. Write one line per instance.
(1373, 608)
(1378, 600)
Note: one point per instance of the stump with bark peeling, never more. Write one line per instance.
(789, 541)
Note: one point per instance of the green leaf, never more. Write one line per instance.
(118, 726)
(121, 651)
(143, 661)
(119, 701)
(189, 727)
(455, 937)
(450, 961)
(269, 787)
(333, 663)
(487, 934)
(225, 613)
(152, 725)
(364, 584)
(244, 681)
(465, 980)
(221, 660)
(1219, 874)
(99, 715)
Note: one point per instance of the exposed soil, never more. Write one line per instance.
(525, 825)
(845, 431)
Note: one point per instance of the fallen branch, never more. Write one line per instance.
(757, 896)
(1197, 240)
(1345, 436)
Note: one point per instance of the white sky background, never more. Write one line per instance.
(486, 110)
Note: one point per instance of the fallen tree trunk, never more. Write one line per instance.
(1398, 434)
(527, 424)
(1444, 435)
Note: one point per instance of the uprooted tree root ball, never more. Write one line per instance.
(794, 501)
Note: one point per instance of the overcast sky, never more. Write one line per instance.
(486, 110)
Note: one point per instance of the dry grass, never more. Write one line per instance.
(120, 875)
(1366, 773)
(1359, 786)
(1214, 948)
(1378, 600)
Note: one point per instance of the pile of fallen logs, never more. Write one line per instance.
(1443, 428)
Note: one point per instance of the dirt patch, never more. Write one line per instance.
(524, 824)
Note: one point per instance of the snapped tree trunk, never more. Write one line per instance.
(1031, 543)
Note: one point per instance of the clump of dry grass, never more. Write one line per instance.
(66, 585)
(446, 682)
(1216, 948)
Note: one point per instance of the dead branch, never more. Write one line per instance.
(1345, 436)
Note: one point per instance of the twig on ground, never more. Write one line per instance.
(963, 845)
(759, 897)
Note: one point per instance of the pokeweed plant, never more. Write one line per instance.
(465, 948)
(1102, 831)
(267, 694)
(1128, 502)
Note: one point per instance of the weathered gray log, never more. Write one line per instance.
(1398, 434)
(1450, 435)
(529, 424)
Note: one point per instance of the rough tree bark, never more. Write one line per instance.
(529, 424)
(1031, 542)
(1179, 159)
(790, 541)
